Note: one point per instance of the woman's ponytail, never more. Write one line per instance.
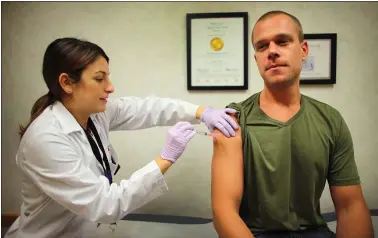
(39, 106)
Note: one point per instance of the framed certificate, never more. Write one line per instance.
(217, 51)
(320, 65)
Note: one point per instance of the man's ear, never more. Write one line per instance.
(304, 46)
(65, 83)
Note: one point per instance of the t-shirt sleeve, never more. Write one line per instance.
(342, 168)
(238, 108)
(235, 106)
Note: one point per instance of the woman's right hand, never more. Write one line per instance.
(177, 139)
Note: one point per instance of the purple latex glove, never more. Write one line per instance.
(218, 118)
(177, 139)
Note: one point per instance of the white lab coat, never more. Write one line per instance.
(63, 186)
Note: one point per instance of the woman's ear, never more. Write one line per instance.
(65, 83)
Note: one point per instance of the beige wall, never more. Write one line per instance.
(147, 46)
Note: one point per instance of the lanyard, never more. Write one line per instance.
(102, 160)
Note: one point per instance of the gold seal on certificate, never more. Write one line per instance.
(216, 44)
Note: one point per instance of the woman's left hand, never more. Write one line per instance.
(218, 118)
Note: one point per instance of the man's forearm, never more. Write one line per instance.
(228, 224)
(354, 221)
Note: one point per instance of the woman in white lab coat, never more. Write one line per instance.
(65, 156)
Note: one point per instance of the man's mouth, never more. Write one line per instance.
(275, 66)
(104, 99)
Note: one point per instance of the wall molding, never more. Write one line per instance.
(173, 219)
(8, 218)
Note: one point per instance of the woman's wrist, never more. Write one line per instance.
(163, 164)
(199, 112)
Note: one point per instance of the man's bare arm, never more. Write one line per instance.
(227, 187)
(353, 218)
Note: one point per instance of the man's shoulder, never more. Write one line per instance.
(249, 102)
(321, 107)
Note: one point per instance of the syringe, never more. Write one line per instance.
(206, 133)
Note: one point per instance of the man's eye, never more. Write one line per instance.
(99, 79)
(261, 47)
(282, 42)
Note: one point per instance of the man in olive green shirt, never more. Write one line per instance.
(267, 181)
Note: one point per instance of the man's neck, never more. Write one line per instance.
(283, 96)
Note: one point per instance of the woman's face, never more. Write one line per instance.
(90, 94)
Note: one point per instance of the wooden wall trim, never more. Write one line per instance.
(7, 219)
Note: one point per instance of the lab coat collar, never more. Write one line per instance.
(65, 118)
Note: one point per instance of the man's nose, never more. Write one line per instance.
(273, 51)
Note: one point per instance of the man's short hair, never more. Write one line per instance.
(278, 12)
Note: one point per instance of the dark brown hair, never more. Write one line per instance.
(277, 12)
(64, 55)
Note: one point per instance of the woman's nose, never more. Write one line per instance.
(109, 87)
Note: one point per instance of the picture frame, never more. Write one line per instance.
(320, 65)
(217, 51)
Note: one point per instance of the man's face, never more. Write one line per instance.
(278, 52)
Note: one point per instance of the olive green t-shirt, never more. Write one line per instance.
(286, 164)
